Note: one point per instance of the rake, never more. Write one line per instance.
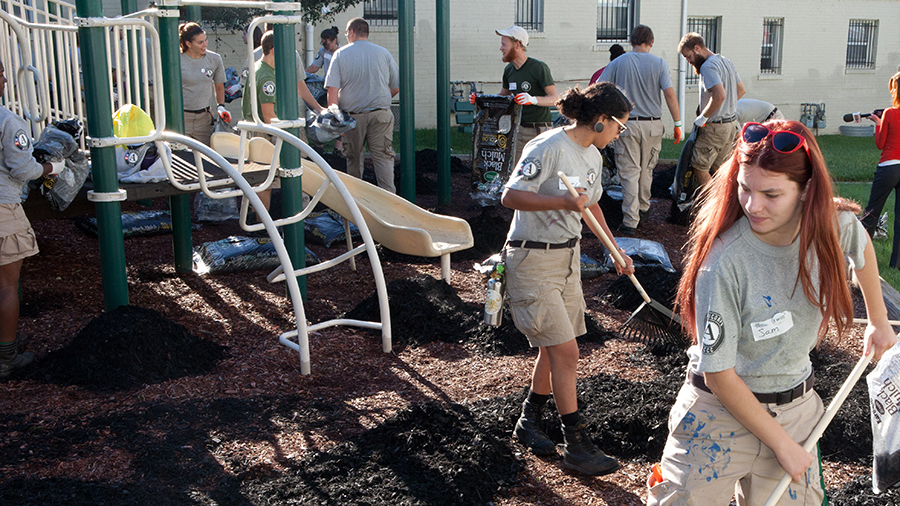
(651, 323)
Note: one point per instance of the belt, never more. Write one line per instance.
(778, 398)
(198, 111)
(544, 245)
(536, 125)
(723, 120)
(770, 115)
(366, 112)
(643, 118)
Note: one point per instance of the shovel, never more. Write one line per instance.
(651, 322)
(820, 427)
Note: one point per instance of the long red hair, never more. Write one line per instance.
(719, 209)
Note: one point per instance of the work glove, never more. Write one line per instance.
(700, 122)
(472, 98)
(678, 134)
(525, 99)
(57, 167)
(233, 89)
(223, 113)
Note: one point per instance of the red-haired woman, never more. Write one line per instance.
(202, 80)
(887, 175)
(764, 277)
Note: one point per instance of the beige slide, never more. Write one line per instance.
(396, 223)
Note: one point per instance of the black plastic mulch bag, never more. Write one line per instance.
(685, 185)
(327, 227)
(238, 253)
(135, 224)
(493, 146)
(330, 125)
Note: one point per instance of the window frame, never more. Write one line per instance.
(773, 40)
(868, 41)
(710, 28)
(619, 30)
(534, 22)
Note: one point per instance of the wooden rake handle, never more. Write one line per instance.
(598, 230)
(820, 427)
(894, 323)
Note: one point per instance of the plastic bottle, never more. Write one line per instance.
(496, 289)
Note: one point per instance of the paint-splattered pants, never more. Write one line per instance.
(710, 457)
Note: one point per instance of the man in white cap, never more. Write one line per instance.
(531, 83)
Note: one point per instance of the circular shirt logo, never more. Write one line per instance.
(269, 88)
(21, 140)
(131, 158)
(591, 177)
(207, 72)
(526, 86)
(530, 168)
(713, 332)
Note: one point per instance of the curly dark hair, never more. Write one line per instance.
(598, 99)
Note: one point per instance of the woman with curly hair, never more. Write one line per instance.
(764, 277)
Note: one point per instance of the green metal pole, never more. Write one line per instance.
(179, 205)
(193, 13)
(103, 160)
(442, 8)
(287, 107)
(406, 19)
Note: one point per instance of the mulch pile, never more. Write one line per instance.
(125, 348)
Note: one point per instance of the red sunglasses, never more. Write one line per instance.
(783, 141)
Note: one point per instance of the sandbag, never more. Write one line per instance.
(327, 227)
(884, 395)
(238, 253)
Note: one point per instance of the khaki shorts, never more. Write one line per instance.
(710, 457)
(714, 145)
(17, 240)
(545, 296)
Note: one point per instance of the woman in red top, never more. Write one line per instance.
(887, 175)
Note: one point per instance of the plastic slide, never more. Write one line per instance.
(396, 223)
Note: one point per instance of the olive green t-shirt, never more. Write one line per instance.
(265, 90)
(532, 77)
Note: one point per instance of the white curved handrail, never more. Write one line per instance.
(30, 108)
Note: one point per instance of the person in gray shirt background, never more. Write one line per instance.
(202, 80)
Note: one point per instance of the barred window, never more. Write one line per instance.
(615, 20)
(530, 15)
(861, 41)
(708, 28)
(773, 35)
(380, 12)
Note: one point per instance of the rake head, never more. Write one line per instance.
(654, 326)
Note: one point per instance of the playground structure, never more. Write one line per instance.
(126, 53)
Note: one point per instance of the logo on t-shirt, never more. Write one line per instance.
(591, 177)
(269, 88)
(526, 86)
(530, 168)
(21, 140)
(713, 332)
(207, 72)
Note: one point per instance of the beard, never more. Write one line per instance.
(699, 61)
(507, 57)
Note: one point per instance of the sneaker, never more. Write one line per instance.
(580, 454)
(19, 361)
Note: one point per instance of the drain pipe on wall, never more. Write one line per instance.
(310, 44)
(682, 66)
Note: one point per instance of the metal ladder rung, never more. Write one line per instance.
(278, 274)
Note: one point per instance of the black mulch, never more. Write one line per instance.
(125, 348)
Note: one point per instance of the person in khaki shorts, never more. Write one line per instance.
(17, 240)
(720, 89)
(543, 262)
(763, 280)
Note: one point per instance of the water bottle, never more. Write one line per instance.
(496, 289)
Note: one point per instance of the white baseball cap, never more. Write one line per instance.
(515, 32)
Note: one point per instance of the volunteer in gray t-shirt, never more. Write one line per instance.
(764, 278)
(543, 262)
(202, 80)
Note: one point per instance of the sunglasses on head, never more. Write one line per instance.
(783, 141)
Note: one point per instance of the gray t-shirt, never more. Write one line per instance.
(364, 73)
(756, 317)
(719, 70)
(750, 110)
(198, 76)
(17, 166)
(642, 76)
(323, 59)
(543, 156)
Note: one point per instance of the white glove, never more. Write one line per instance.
(525, 99)
(700, 121)
(233, 89)
(57, 167)
(223, 113)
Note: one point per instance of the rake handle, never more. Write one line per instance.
(820, 427)
(601, 234)
(894, 323)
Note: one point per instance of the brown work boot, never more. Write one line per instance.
(529, 433)
(580, 454)
(11, 359)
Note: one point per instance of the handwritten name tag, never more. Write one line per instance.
(777, 325)
(575, 180)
